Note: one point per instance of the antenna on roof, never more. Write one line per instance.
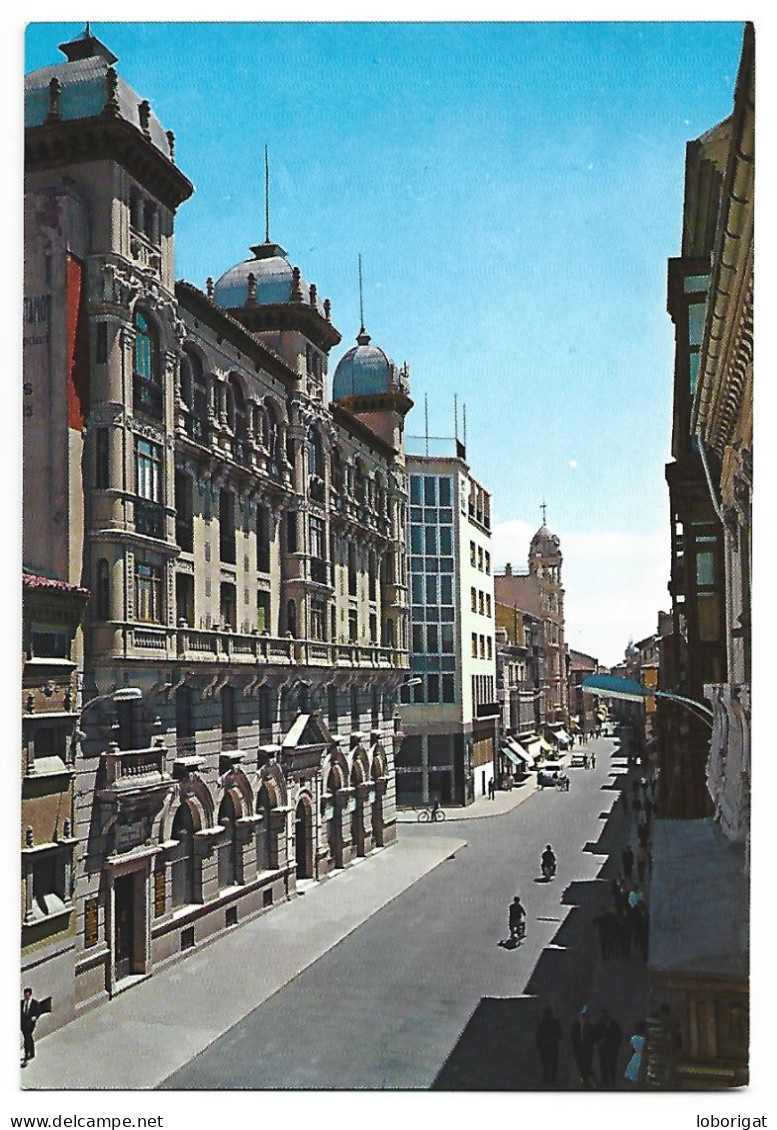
(455, 416)
(266, 195)
(361, 296)
(426, 420)
(464, 414)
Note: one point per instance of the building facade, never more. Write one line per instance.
(242, 537)
(449, 709)
(583, 708)
(51, 614)
(699, 949)
(540, 592)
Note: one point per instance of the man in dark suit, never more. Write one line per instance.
(30, 1012)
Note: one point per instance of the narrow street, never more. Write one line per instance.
(449, 1007)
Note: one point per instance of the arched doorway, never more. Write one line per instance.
(182, 857)
(227, 849)
(335, 822)
(380, 781)
(303, 838)
(264, 860)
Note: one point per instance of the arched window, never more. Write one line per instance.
(102, 590)
(227, 850)
(315, 453)
(147, 381)
(186, 381)
(338, 482)
(237, 417)
(182, 857)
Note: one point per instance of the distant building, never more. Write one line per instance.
(539, 592)
(582, 707)
(449, 707)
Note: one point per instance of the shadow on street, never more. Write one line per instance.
(496, 1051)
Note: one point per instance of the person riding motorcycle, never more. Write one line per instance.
(516, 919)
(548, 863)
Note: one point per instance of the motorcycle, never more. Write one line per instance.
(548, 869)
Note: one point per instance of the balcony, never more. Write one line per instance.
(149, 518)
(133, 771)
(319, 571)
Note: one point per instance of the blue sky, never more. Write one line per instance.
(515, 191)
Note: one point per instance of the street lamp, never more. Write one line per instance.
(121, 694)
(613, 686)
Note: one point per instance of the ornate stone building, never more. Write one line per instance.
(540, 592)
(242, 538)
(699, 949)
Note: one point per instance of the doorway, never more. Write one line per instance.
(124, 929)
(303, 841)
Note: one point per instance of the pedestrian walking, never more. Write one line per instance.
(608, 1040)
(643, 785)
(647, 807)
(620, 897)
(491, 789)
(605, 923)
(641, 857)
(635, 896)
(582, 1037)
(586, 760)
(593, 760)
(643, 832)
(627, 862)
(547, 1039)
(653, 784)
(30, 1011)
(633, 1072)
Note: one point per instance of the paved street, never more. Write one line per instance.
(422, 995)
(396, 959)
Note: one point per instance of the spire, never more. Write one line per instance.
(543, 507)
(362, 338)
(267, 250)
(266, 195)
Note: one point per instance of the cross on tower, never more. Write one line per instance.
(542, 508)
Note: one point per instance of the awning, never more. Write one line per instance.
(546, 745)
(516, 753)
(295, 733)
(532, 747)
(562, 736)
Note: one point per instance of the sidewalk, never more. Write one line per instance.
(138, 1039)
(504, 801)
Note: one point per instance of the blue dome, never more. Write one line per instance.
(273, 278)
(366, 370)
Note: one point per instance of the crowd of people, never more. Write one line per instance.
(595, 1044)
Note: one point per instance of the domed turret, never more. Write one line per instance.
(87, 86)
(266, 280)
(366, 370)
(544, 541)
